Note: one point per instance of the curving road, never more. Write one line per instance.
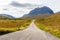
(31, 33)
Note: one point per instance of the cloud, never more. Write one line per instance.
(26, 5)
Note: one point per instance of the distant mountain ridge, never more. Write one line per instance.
(6, 16)
(42, 12)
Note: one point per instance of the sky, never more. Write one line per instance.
(18, 8)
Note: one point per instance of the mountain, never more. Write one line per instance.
(40, 12)
(6, 16)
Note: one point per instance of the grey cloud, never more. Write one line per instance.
(27, 5)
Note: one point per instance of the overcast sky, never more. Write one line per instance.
(30, 4)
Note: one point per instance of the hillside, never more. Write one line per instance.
(50, 24)
(6, 16)
(53, 20)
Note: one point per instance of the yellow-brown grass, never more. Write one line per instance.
(50, 24)
(14, 25)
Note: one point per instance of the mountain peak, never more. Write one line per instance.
(41, 10)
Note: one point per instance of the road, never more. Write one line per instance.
(30, 33)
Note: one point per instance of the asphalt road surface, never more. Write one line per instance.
(30, 33)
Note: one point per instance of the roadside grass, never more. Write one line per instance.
(7, 26)
(54, 30)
